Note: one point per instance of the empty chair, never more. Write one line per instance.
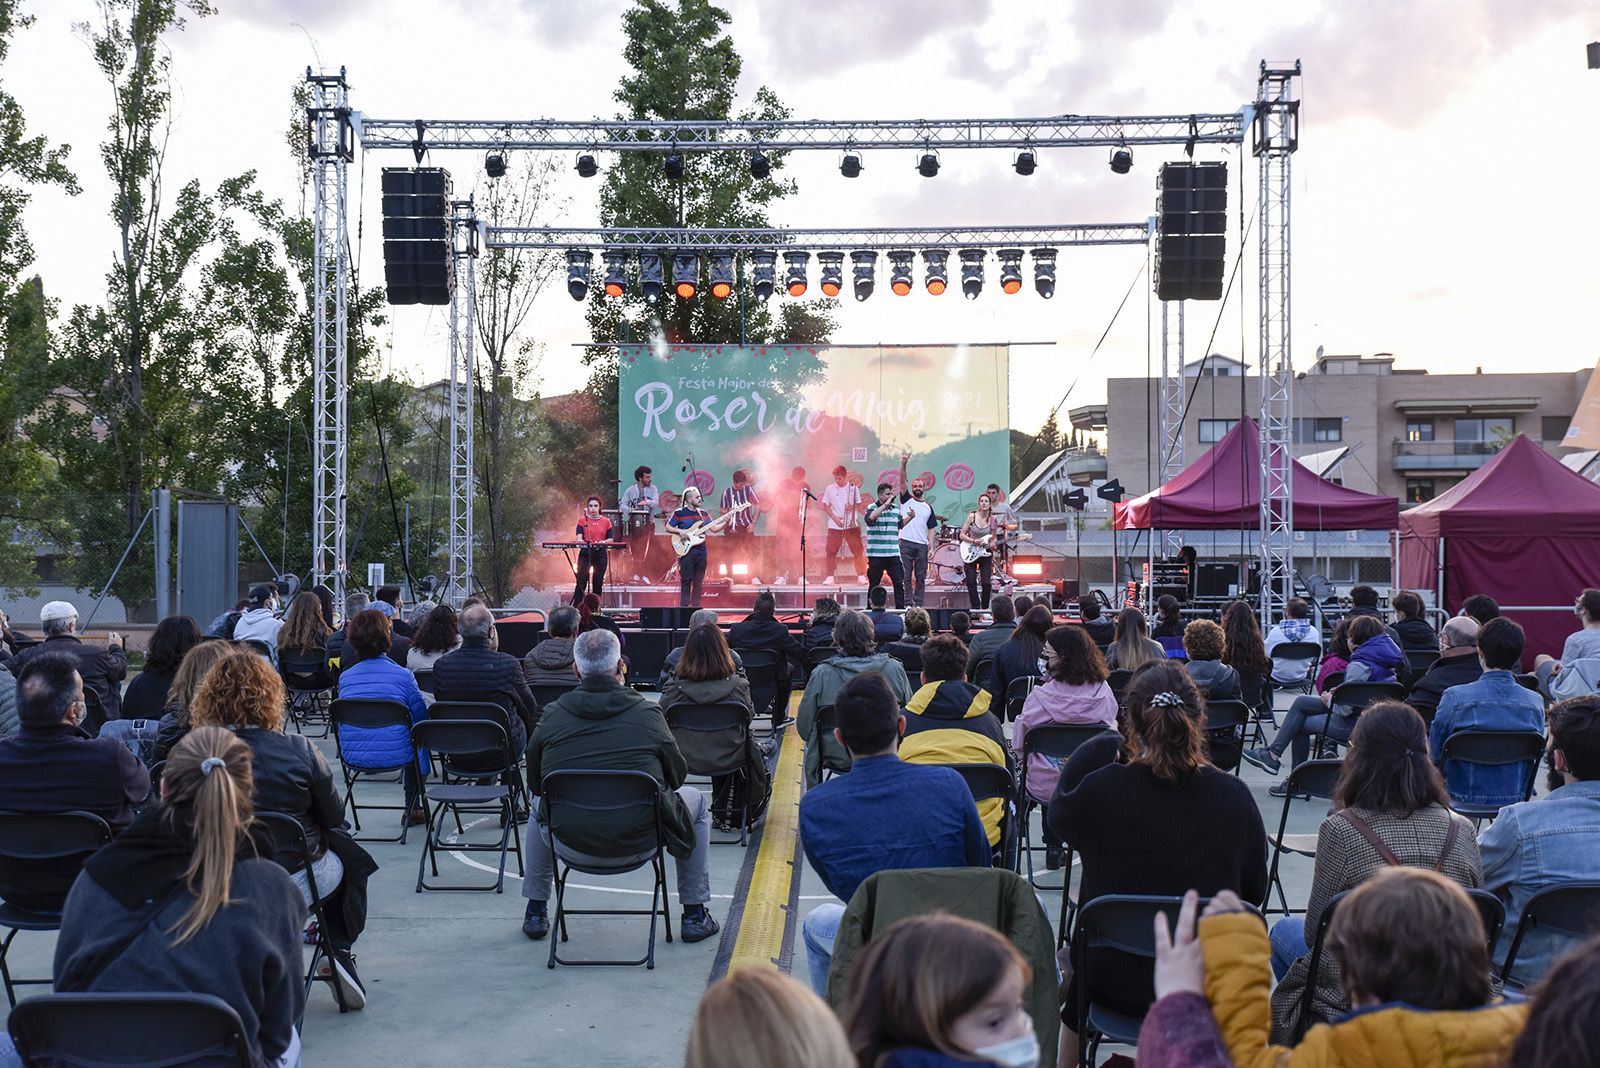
(761, 671)
(40, 855)
(102, 1030)
(453, 739)
(547, 692)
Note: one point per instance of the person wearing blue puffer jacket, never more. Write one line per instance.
(377, 678)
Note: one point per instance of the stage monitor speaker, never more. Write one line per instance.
(647, 652)
(660, 618)
(418, 267)
(1216, 579)
(1065, 594)
(1191, 207)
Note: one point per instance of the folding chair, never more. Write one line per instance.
(372, 715)
(1528, 681)
(1121, 923)
(60, 840)
(827, 720)
(1418, 661)
(570, 797)
(94, 713)
(1494, 749)
(1225, 725)
(310, 687)
(546, 692)
(1358, 695)
(1118, 681)
(1309, 653)
(729, 721)
(980, 673)
(1017, 691)
(424, 680)
(761, 671)
(1056, 741)
(259, 647)
(1313, 779)
(289, 841)
(482, 768)
(1492, 911)
(819, 654)
(1307, 994)
(455, 738)
(105, 1030)
(990, 782)
(910, 657)
(1571, 909)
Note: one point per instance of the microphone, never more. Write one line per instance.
(807, 491)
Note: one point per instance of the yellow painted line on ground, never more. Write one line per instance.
(766, 908)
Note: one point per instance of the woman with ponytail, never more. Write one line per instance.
(180, 903)
(1390, 809)
(1153, 816)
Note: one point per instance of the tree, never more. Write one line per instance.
(1049, 436)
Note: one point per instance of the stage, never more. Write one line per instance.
(725, 594)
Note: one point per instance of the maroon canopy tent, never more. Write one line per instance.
(1523, 529)
(1222, 491)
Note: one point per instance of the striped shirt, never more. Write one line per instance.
(883, 533)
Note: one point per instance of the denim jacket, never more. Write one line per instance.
(1496, 702)
(1533, 845)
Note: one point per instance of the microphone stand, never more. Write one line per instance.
(805, 509)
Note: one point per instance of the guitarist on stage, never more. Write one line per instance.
(594, 530)
(979, 530)
(692, 565)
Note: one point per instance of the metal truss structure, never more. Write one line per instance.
(464, 237)
(879, 238)
(1171, 422)
(1276, 135)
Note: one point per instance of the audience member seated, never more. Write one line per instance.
(550, 662)
(102, 670)
(398, 651)
(1581, 644)
(1563, 1028)
(145, 701)
(591, 616)
(819, 633)
(761, 1016)
(1535, 844)
(1018, 656)
(884, 815)
(908, 649)
(1412, 957)
(1244, 651)
(1022, 602)
(354, 604)
(222, 626)
(226, 922)
(761, 630)
(1336, 657)
(1074, 691)
(1374, 658)
(377, 678)
(938, 991)
(437, 634)
(605, 726)
(1203, 643)
(961, 627)
(1482, 607)
(305, 633)
(1133, 647)
(12, 642)
(478, 672)
(49, 766)
(1102, 631)
(700, 617)
(1411, 622)
(8, 704)
(260, 622)
(387, 600)
(197, 663)
(1002, 621)
(1161, 823)
(949, 721)
(707, 675)
(1390, 809)
(1295, 626)
(244, 694)
(852, 635)
(1169, 618)
(886, 625)
(1495, 702)
(1458, 664)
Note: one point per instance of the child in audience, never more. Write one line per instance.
(937, 991)
(1563, 1029)
(758, 1015)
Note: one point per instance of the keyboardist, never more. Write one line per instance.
(594, 531)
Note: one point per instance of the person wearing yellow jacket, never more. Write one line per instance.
(948, 721)
(1414, 962)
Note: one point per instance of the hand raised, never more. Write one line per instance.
(1180, 965)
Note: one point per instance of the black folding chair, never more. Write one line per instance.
(910, 657)
(1124, 924)
(1494, 749)
(372, 715)
(1418, 661)
(1017, 691)
(1118, 681)
(289, 842)
(1492, 911)
(1528, 681)
(819, 654)
(826, 721)
(991, 782)
(310, 687)
(1357, 695)
(572, 797)
(450, 739)
(1571, 909)
(259, 647)
(1313, 779)
(1225, 725)
(761, 671)
(1308, 653)
(1057, 741)
(59, 842)
(546, 692)
(94, 713)
(106, 1030)
(424, 679)
(481, 768)
(729, 720)
(1308, 993)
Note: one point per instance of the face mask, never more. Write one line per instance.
(1020, 1052)
(1044, 666)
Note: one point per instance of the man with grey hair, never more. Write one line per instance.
(705, 617)
(602, 725)
(1458, 664)
(478, 672)
(550, 662)
(853, 635)
(354, 605)
(102, 670)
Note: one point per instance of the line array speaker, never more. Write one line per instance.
(1192, 221)
(417, 265)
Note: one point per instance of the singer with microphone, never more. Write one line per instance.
(594, 530)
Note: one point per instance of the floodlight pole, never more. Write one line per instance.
(464, 238)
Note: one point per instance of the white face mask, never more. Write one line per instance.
(1019, 1052)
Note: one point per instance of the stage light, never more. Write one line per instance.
(901, 264)
(763, 274)
(650, 276)
(1025, 162)
(722, 275)
(616, 271)
(936, 264)
(578, 272)
(760, 165)
(1121, 161)
(928, 165)
(831, 265)
(971, 272)
(864, 267)
(672, 165)
(587, 167)
(1010, 269)
(1044, 272)
(850, 165)
(794, 272)
(685, 275)
(494, 165)
(1027, 566)
(741, 570)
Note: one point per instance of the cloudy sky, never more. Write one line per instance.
(1444, 204)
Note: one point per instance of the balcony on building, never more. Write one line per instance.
(1456, 436)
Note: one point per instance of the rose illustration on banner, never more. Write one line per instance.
(701, 480)
(670, 501)
(890, 475)
(928, 481)
(959, 477)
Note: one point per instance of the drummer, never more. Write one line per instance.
(640, 503)
(594, 530)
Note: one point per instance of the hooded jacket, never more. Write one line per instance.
(1416, 634)
(949, 722)
(826, 680)
(383, 680)
(1216, 680)
(1059, 702)
(1382, 657)
(8, 704)
(550, 663)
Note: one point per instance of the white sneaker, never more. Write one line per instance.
(828, 581)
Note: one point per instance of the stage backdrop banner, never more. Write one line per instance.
(789, 414)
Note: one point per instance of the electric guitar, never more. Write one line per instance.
(972, 552)
(687, 538)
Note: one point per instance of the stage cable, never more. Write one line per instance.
(394, 510)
